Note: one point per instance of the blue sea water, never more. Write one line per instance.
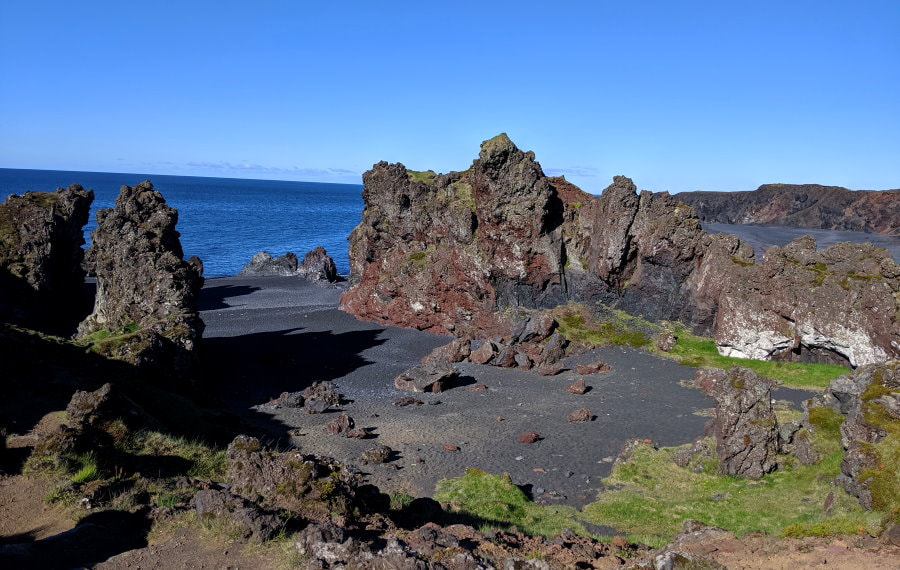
(224, 221)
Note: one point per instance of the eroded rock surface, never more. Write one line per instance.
(745, 425)
(465, 252)
(869, 397)
(838, 305)
(41, 275)
(264, 264)
(146, 291)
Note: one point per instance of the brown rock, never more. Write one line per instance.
(580, 415)
(339, 425)
(552, 369)
(323, 392)
(666, 341)
(593, 368)
(456, 350)
(477, 387)
(577, 387)
(484, 353)
(450, 447)
(434, 376)
(529, 437)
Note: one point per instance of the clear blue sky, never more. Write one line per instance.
(678, 95)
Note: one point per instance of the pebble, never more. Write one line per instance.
(569, 474)
(520, 457)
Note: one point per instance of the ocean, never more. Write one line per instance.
(224, 221)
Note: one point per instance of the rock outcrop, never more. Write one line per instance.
(262, 264)
(315, 487)
(146, 292)
(316, 266)
(802, 205)
(465, 252)
(745, 426)
(839, 305)
(41, 275)
(869, 397)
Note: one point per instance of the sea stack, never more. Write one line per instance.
(145, 291)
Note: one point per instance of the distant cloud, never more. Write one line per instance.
(585, 171)
(246, 166)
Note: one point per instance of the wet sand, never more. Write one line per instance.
(265, 336)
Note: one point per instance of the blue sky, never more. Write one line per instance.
(678, 95)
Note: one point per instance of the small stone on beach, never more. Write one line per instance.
(529, 437)
(579, 415)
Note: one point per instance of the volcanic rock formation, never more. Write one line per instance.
(838, 305)
(145, 290)
(316, 265)
(451, 252)
(802, 205)
(41, 278)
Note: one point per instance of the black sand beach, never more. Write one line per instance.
(265, 336)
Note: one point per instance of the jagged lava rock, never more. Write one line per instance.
(318, 266)
(143, 282)
(745, 425)
(263, 264)
(838, 305)
(41, 275)
(418, 261)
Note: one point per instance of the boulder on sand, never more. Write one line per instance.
(434, 376)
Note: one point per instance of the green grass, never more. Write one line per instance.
(88, 469)
(495, 502)
(206, 462)
(692, 350)
(424, 176)
(649, 497)
(621, 330)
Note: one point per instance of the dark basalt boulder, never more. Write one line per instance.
(262, 264)
(41, 274)
(317, 266)
(745, 425)
(146, 292)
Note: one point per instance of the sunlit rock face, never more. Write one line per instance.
(838, 305)
(462, 252)
(146, 292)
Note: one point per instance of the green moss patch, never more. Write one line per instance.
(693, 350)
(653, 497)
(619, 329)
(494, 501)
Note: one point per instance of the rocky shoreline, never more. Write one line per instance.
(254, 405)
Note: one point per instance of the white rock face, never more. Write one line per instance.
(842, 301)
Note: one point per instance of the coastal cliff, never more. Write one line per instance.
(453, 253)
(802, 205)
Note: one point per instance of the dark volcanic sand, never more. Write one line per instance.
(268, 335)
(764, 237)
